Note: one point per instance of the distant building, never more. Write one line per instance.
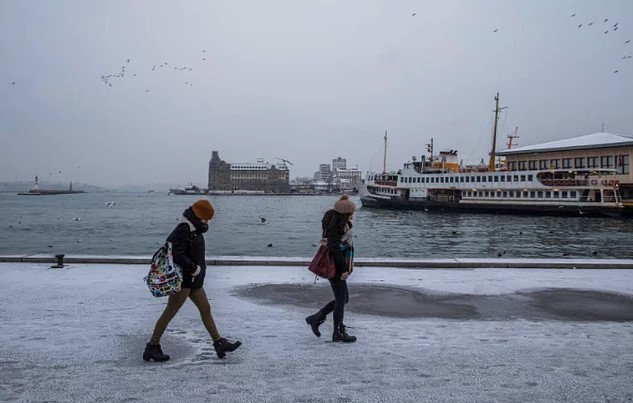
(347, 179)
(325, 173)
(339, 163)
(257, 176)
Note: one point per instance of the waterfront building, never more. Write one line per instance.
(325, 173)
(598, 150)
(256, 176)
(347, 179)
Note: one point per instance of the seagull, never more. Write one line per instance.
(606, 32)
(110, 204)
(495, 30)
(573, 15)
(579, 25)
(76, 218)
(606, 19)
(284, 160)
(413, 15)
(128, 60)
(13, 83)
(262, 220)
(627, 41)
(615, 29)
(591, 23)
(617, 71)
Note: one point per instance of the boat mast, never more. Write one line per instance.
(384, 158)
(491, 164)
(511, 137)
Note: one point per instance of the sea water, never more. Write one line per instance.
(138, 223)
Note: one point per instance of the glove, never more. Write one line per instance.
(195, 273)
(345, 275)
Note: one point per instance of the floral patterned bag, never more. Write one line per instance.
(165, 277)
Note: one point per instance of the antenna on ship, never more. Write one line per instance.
(384, 159)
(491, 163)
(511, 137)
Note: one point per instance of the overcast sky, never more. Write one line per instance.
(307, 81)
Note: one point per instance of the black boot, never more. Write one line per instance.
(223, 345)
(154, 352)
(340, 334)
(315, 321)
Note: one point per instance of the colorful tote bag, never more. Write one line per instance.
(165, 277)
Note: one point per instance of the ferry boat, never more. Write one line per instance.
(441, 183)
(188, 190)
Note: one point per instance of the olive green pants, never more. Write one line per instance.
(175, 302)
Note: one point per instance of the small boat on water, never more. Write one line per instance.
(36, 191)
(441, 183)
(188, 190)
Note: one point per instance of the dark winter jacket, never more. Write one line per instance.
(333, 225)
(188, 248)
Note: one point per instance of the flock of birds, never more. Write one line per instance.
(609, 27)
(110, 79)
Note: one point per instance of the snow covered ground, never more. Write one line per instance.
(78, 333)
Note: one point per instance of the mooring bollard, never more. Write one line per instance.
(60, 262)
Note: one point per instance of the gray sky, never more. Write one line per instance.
(305, 81)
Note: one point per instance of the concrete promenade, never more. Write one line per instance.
(437, 334)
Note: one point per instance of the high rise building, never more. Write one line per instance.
(251, 176)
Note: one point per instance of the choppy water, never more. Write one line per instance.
(138, 223)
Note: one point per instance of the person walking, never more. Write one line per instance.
(189, 253)
(337, 229)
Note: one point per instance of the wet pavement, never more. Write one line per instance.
(548, 304)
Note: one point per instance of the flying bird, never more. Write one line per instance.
(413, 15)
(606, 19)
(591, 23)
(579, 25)
(617, 71)
(128, 60)
(495, 30)
(262, 220)
(606, 32)
(627, 41)
(573, 15)
(284, 160)
(13, 83)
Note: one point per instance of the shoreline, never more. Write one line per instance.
(456, 263)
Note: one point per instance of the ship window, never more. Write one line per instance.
(566, 163)
(492, 194)
(522, 178)
(461, 179)
(450, 179)
(540, 194)
(502, 178)
(505, 194)
(516, 178)
(530, 177)
(592, 162)
(521, 165)
(555, 164)
(479, 179)
(532, 165)
(483, 178)
(442, 179)
(496, 178)
(467, 179)
(572, 194)
(579, 162)
(606, 161)
(543, 164)
(563, 194)
(556, 196)
(532, 194)
(509, 178)
(525, 194)
(548, 195)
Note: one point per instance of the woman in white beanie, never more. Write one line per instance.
(337, 228)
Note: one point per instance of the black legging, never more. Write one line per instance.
(337, 305)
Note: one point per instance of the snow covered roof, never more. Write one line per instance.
(596, 140)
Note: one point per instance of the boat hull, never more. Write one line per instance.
(492, 208)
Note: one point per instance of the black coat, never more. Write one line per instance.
(188, 248)
(333, 225)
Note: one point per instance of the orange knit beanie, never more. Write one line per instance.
(203, 209)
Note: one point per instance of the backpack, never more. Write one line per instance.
(165, 276)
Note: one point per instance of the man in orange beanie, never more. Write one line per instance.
(189, 253)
